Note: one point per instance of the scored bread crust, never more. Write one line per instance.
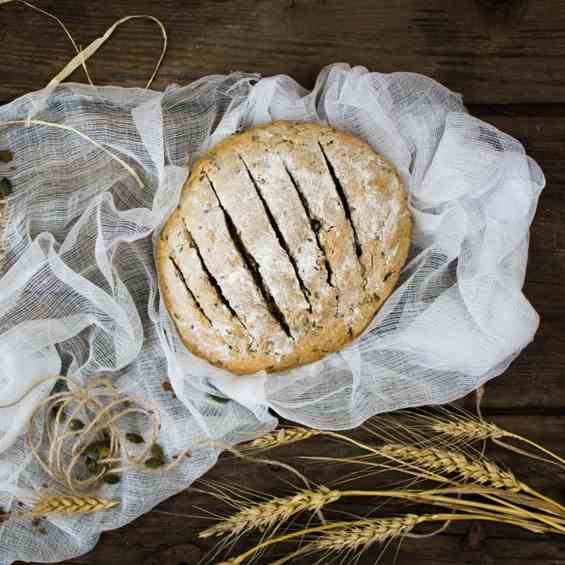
(287, 240)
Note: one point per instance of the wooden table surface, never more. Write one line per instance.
(507, 59)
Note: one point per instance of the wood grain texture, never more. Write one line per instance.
(490, 50)
(504, 56)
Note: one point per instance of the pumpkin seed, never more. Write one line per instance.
(154, 463)
(157, 451)
(134, 438)
(111, 479)
(5, 188)
(75, 425)
(98, 450)
(6, 155)
(157, 458)
(93, 467)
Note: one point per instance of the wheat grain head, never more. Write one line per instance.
(469, 430)
(362, 536)
(71, 505)
(267, 514)
(480, 471)
(282, 436)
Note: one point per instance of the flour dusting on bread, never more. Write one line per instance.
(287, 240)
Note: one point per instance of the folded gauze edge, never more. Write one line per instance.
(79, 292)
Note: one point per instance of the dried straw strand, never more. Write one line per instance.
(62, 26)
(83, 55)
(88, 51)
(28, 121)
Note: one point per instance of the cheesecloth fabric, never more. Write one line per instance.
(79, 293)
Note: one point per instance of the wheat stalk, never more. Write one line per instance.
(362, 536)
(338, 536)
(282, 436)
(435, 459)
(470, 429)
(71, 505)
(278, 510)
(267, 514)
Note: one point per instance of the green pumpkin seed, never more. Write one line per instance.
(154, 462)
(75, 425)
(60, 385)
(111, 479)
(93, 467)
(98, 450)
(6, 155)
(134, 438)
(157, 451)
(5, 188)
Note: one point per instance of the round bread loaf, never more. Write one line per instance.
(287, 239)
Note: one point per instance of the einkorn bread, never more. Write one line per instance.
(287, 239)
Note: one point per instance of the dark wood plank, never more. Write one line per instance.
(490, 50)
(168, 535)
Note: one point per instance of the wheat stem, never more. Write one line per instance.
(541, 496)
(552, 454)
(436, 497)
(352, 441)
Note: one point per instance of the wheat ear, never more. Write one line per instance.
(267, 514)
(470, 430)
(282, 436)
(480, 471)
(362, 536)
(71, 505)
(483, 472)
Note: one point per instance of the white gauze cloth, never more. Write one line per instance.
(79, 293)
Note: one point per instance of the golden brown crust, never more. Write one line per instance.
(297, 234)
